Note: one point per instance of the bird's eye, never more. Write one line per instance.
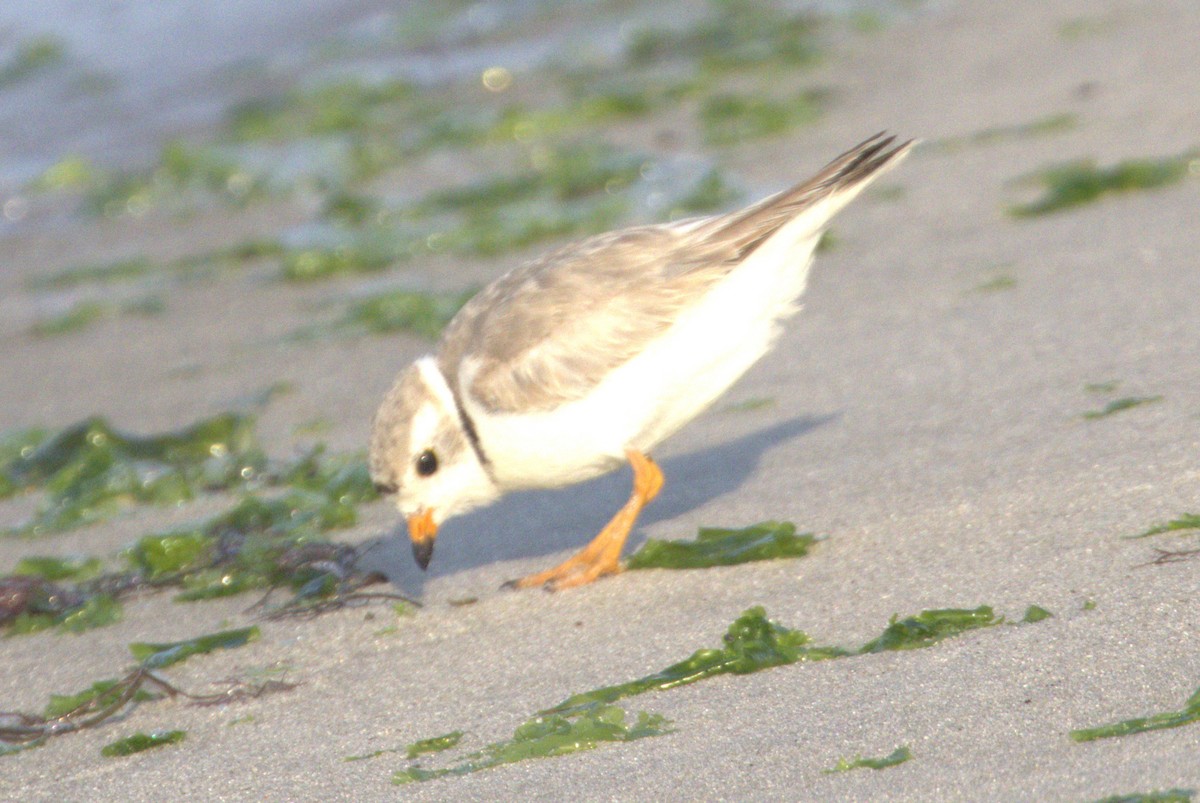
(427, 463)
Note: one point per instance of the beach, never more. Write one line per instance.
(981, 402)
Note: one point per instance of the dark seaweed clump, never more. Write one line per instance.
(264, 541)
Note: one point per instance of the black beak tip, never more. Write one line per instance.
(423, 553)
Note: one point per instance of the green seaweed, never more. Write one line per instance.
(73, 172)
(1117, 405)
(897, 756)
(493, 233)
(489, 193)
(1082, 182)
(727, 119)
(350, 209)
(739, 34)
(424, 314)
(160, 656)
(712, 193)
(183, 170)
(27, 622)
(752, 643)
(929, 627)
(57, 459)
(84, 314)
(106, 699)
(587, 111)
(1188, 521)
(365, 253)
(1170, 719)
(1035, 613)
(70, 595)
(344, 479)
(827, 241)
(1109, 386)
(15, 446)
(561, 173)
(138, 267)
(103, 272)
(749, 405)
(90, 470)
(97, 610)
(144, 306)
(1042, 126)
(996, 284)
(549, 735)
(98, 696)
(435, 744)
(403, 610)
(259, 543)
(141, 741)
(1167, 796)
(768, 540)
(866, 21)
(44, 609)
(164, 554)
(569, 191)
(345, 105)
(54, 569)
(33, 57)
(1081, 27)
(81, 315)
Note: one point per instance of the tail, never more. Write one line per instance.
(818, 199)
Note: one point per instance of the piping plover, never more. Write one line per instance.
(586, 358)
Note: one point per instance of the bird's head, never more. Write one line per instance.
(422, 452)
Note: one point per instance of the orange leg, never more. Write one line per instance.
(602, 555)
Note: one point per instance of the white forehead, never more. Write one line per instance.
(433, 410)
(435, 383)
(424, 427)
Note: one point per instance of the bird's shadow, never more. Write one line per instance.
(532, 523)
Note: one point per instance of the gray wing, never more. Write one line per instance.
(547, 333)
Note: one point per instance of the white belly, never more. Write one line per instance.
(654, 394)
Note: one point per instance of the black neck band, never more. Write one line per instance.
(472, 435)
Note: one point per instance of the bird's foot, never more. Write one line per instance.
(575, 571)
(603, 555)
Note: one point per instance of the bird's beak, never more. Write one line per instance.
(422, 530)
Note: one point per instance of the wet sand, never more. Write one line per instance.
(926, 420)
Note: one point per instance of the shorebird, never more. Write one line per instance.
(588, 357)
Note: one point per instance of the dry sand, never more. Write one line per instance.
(931, 431)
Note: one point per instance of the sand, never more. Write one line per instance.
(928, 429)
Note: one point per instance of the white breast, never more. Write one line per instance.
(652, 395)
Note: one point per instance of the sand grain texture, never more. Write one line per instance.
(930, 430)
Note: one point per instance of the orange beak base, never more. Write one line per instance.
(422, 530)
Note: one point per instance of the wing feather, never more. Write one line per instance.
(548, 332)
